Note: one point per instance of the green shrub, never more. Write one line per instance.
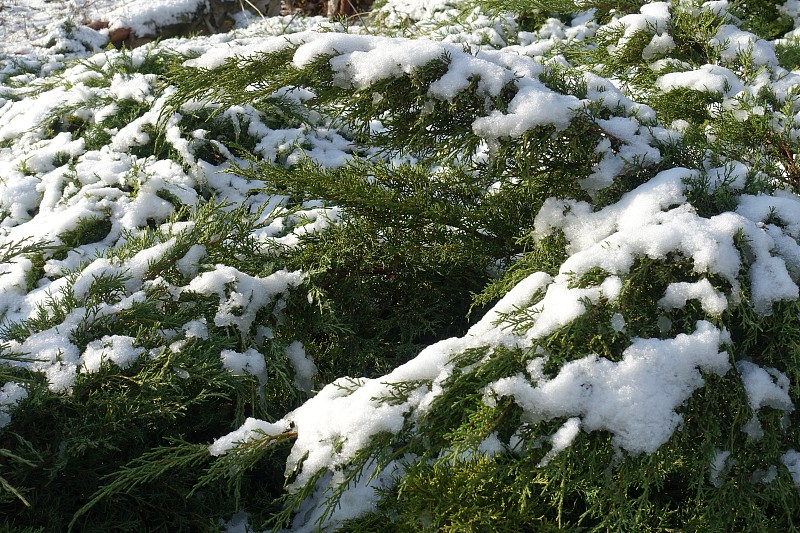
(343, 280)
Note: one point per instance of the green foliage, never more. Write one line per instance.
(762, 17)
(114, 417)
(407, 237)
(390, 271)
(534, 12)
(104, 447)
(690, 105)
(788, 53)
(88, 230)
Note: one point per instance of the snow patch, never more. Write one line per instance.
(250, 362)
(636, 398)
(304, 368)
(241, 296)
(11, 394)
(251, 430)
(765, 387)
(118, 349)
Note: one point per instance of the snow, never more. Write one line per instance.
(651, 16)
(708, 78)
(241, 296)
(562, 303)
(416, 10)
(250, 430)
(118, 349)
(618, 322)
(636, 398)
(532, 106)
(304, 368)
(22, 23)
(711, 300)
(659, 45)
(562, 439)
(765, 387)
(331, 415)
(764, 475)
(56, 356)
(216, 56)
(144, 18)
(360, 61)
(237, 524)
(791, 460)
(733, 42)
(653, 220)
(718, 466)
(189, 263)
(357, 499)
(718, 7)
(196, 328)
(136, 87)
(11, 394)
(250, 362)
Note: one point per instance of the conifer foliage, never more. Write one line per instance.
(463, 267)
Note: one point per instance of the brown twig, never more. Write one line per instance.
(794, 179)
